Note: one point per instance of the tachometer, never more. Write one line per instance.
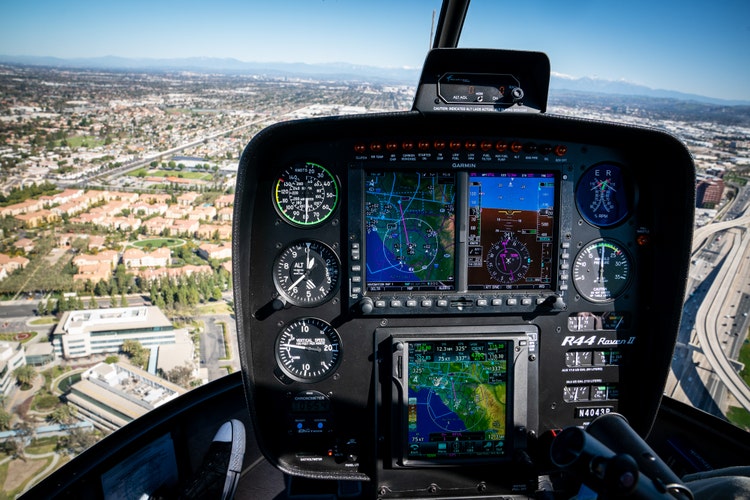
(603, 195)
(306, 194)
(601, 271)
(308, 350)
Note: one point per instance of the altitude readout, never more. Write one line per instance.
(306, 194)
(306, 273)
(601, 271)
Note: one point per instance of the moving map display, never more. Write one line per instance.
(410, 220)
(457, 402)
(511, 229)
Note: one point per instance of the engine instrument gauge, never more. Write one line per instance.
(306, 194)
(601, 271)
(508, 260)
(308, 350)
(603, 195)
(306, 273)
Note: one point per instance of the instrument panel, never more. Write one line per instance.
(433, 291)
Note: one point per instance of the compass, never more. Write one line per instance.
(306, 273)
(508, 260)
(308, 350)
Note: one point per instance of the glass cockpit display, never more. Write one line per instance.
(457, 399)
(410, 220)
(511, 230)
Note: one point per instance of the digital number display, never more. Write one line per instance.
(458, 400)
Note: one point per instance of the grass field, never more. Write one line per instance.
(159, 242)
(183, 174)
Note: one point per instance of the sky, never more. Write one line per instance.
(688, 46)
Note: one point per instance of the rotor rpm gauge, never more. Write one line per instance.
(603, 195)
(308, 350)
(508, 260)
(306, 273)
(306, 194)
(601, 271)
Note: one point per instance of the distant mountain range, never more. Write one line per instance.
(340, 71)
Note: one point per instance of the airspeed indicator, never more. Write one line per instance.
(306, 194)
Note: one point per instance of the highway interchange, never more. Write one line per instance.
(715, 319)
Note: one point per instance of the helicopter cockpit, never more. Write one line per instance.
(464, 300)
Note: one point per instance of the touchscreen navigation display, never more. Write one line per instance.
(410, 220)
(458, 397)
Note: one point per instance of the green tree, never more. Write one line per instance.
(25, 376)
(4, 419)
(136, 352)
(63, 414)
(181, 375)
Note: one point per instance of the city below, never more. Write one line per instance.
(116, 205)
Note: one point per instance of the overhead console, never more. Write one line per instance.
(448, 289)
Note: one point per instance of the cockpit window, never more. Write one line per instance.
(117, 185)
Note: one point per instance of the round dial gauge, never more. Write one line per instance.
(603, 195)
(601, 271)
(306, 273)
(306, 194)
(308, 350)
(508, 260)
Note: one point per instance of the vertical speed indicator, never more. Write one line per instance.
(306, 194)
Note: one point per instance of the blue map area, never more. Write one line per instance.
(433, 416)
(410, 221)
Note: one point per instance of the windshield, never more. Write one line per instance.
(120, 134)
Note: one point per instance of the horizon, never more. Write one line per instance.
(670, 45)
(339, 69)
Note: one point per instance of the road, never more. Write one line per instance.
(213, 350)
(714, 321)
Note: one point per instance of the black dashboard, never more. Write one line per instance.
(418, 291)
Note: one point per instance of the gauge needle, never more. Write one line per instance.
(297, 282)
(310, 261)
(303, 347)
(601, 266)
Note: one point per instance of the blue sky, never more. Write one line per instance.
(689, 46)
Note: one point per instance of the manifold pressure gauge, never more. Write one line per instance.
(306, 273)
(601, 271)
(308, 350)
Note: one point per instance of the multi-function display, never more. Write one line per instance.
(458, 399)
(414, 240)
(410, 220)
